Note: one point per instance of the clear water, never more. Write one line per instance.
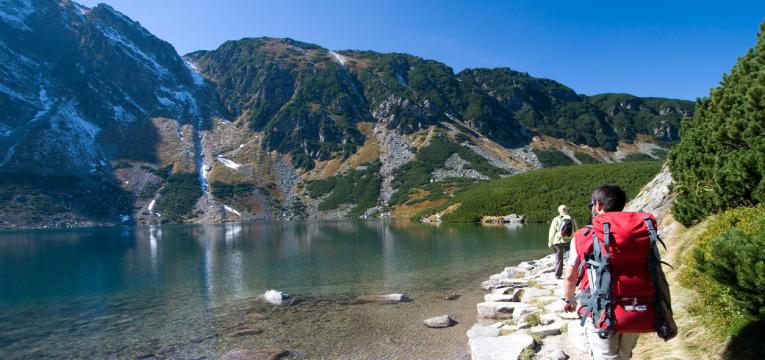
(187, 291)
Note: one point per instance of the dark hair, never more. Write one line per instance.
(611, 197)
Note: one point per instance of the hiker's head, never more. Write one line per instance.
(608, 198)
(563, 209)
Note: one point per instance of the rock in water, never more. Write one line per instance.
(274, 297)
(383, 299)
(452, 296)
(439, 322)
(265, 354)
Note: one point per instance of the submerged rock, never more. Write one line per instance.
(439, 322)
(264, 354)
(246, 332)
(383, 299)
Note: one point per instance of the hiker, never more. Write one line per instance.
(623, 291)
(559, 237)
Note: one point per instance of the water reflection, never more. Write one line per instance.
(96, 286)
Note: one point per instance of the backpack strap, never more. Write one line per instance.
(597, 303)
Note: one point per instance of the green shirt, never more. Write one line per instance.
(554, 236)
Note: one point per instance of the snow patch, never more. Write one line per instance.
(15, 13)
(194, 71)
(123, 116)
(232, 210)
(228, 163)
(8, 155)
(15, 94)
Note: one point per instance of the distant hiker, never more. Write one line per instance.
(559, 237)
(623, 291)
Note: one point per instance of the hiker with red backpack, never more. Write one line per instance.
(561, 229)
(623, 291)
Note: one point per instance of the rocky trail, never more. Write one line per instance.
(522, 317)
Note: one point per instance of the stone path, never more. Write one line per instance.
(522, 317)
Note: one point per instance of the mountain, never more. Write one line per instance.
(102, 122)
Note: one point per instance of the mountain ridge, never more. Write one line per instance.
(118, 111)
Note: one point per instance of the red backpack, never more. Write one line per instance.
(623, 288)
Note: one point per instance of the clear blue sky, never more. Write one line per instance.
(648, 48)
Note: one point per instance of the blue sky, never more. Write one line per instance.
(645, 48)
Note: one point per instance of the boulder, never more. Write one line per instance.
(482, 331)
(504, 282)
(533, 293)
(555, 355)
(264, 354)
(513, 218)
(520, 313)
(549, 330)
(513, 272)
(547, 319)
(439, 322)
(527, 265)
(501, 347)
(452, 296)
(502, 309)
(499, 297)
(555, 306)
(516, 327)
(383, 299)
(274, 297)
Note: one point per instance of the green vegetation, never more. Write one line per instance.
(162, 172)
(586, 158)
(726, 268)
(637, 157)
(417, 172)
(178, 196)
(538, 193)
(553, 109)
(720, 160)
(552, 158)
(28, 199)
(122, 164)
(358, 186)
(229, 191)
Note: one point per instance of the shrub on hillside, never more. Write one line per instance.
(178, 196)
(726, 268)
(586, 158)
(551, 158)
(537, 194)
(719, 162)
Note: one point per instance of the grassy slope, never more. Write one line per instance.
(695, 340)
(538, 193)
